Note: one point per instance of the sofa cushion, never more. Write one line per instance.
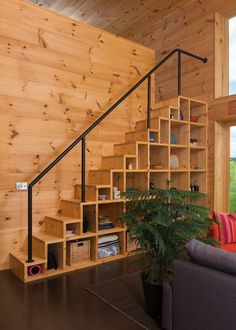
(227, 227)
(209, 256)
(229, 247)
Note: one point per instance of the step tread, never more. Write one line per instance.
(22, 256)
(95, 185)
(72, 200)
(128, 143)
(122, 156)
(143, 130)
(111, 230)
(109, 170)
(47, 238)
(64, 218)
(100, 170)
(145, 120)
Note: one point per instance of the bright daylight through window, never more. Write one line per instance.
(232, 56)
(232, 190)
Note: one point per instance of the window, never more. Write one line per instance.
(232, 56)
(225, 53)
(232, 183)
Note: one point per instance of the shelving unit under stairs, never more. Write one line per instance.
(90, 233)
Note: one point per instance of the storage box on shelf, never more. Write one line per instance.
(77, 251)
(144, 161)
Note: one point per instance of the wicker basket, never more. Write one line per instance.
(77, 251)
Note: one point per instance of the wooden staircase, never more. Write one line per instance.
(144, 157)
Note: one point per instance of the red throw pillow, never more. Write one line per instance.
(227, 227)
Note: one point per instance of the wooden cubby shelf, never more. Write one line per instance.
(144, 161)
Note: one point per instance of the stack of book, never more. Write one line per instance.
(105, 222)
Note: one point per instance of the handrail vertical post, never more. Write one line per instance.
(30, 225)
(149, 102)
(83, 163)
(179, 71)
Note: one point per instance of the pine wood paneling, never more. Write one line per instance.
(57, 77)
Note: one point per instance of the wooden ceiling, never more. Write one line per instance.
(127, 18)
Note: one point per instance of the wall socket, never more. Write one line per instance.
(21, 186)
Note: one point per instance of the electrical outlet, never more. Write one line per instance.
(21, 186)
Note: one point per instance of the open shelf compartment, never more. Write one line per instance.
(108, 214)
(179, 132)
(164, 131)
(118, 184)
(197, 136)
(159, 157)
(184, 107)
(158, 180)
(130, 163)
(179, 180)
(198, 159)
(174, 113)
(89, 219)
(55, 253)
(198, 112)
(113, 250)
(142, 156)
(137, 180)
(81, 251)
(198, 181)
(179, 158)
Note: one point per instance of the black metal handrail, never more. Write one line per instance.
(82, 137)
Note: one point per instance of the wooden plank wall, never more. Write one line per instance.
(191, 27)
(57, 76)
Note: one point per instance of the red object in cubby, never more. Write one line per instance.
(215, 233)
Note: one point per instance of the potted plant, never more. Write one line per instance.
(161, 222)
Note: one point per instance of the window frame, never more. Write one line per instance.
(221, 49)
(222, 165)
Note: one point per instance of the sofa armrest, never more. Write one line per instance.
(203, 298)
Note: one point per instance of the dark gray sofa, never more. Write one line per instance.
(203, 298)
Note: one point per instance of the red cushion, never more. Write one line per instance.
(229, 247)
(226, 227)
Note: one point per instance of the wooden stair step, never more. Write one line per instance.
(116, 162)
(125, 148)
(63, 219)
(47, 238)
(113, 162)
(71, 208)
(92, 191)
(142, 124)
(22, 257)
(140, 135)
(100, 177)
(19, 265)
(56, 225)
(173, 102)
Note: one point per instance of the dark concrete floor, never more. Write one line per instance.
(62, 303)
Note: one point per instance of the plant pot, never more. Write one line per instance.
(153, 299)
